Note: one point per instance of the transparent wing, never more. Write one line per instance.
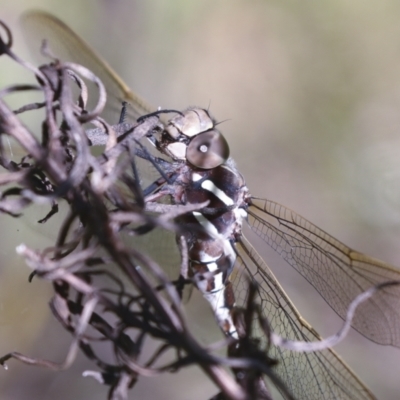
(337, 272)
(310, 376)
(68, 46)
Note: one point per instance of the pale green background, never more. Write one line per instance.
(310, 91)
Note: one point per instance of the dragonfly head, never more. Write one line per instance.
(192, 137)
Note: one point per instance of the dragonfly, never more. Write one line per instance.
(337, 272)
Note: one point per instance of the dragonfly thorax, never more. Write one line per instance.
(225, 190)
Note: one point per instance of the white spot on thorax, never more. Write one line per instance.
(206, 224)
(196, 177)
(205, 258)
(209, 185)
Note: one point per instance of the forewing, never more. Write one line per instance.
(68, 46)
(320, 375)
(337, 272)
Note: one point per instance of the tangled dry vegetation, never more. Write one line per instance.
(105, 201)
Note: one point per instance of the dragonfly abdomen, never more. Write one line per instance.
(210, 232)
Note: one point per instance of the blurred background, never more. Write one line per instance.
(310, 95)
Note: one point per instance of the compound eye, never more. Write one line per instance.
(207, 150)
